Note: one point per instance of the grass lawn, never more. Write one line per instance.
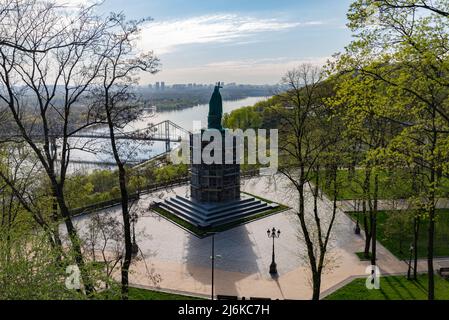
(361, 256)
(204, 232)
(143, 294)
(392, 185)
(392, 288)
(399, 243)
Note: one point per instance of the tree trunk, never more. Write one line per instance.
(56, 238)
(431, 231)
(431, 293)
(74, 239)
(127, 233)
(316, 279)
(367, 229)
(416, 225)
(374, 221)
(366, 225)
(430, 244)
(125, 205)
(307, 239)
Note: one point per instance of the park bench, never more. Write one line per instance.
(444, 272)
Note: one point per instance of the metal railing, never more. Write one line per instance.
(145, 190)
(101, 205)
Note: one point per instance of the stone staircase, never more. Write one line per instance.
(213, 214)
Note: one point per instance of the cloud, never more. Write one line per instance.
(166, 36)
(256, 71)
(274, 63)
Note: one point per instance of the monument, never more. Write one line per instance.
(215, 196)
(215, 183)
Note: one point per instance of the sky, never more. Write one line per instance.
(242, 41)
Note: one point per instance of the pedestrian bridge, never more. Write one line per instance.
(165, 131)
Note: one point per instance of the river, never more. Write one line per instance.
(185, 117)
(140, 151)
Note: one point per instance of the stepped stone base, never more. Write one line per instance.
(214, 214)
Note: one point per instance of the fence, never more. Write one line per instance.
(101, 205)
(145, 190)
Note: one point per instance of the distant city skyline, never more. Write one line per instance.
(234, 41)
(166, 85)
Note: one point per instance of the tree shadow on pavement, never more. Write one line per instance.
(236, 256)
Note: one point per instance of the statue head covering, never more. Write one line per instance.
(215, 109)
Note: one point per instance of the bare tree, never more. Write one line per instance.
(20, 176)
(46, 67)
(307, 136)
(120, 105)
(103, 241)
(439, 7)
(103, 244)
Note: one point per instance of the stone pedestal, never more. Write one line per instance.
(215, 197)
(204, 214)
(215, 183)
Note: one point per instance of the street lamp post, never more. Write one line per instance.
(273, 233)
(212, 259)
(135, 247)
(357, 226)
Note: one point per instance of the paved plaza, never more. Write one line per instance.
(182, 261)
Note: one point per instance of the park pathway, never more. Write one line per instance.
(174, 260)
(253, 280)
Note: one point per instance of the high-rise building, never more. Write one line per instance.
(158, 86)
(162, 85)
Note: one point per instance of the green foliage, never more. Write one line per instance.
(362, 257)
(395, 232)
(398, 228)
(170, 172)
(262, 115)
(142, 294)
(392, 94)
(29, 269)
(399, 183)
(102, 185)
(393, 184)
(243, 118)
